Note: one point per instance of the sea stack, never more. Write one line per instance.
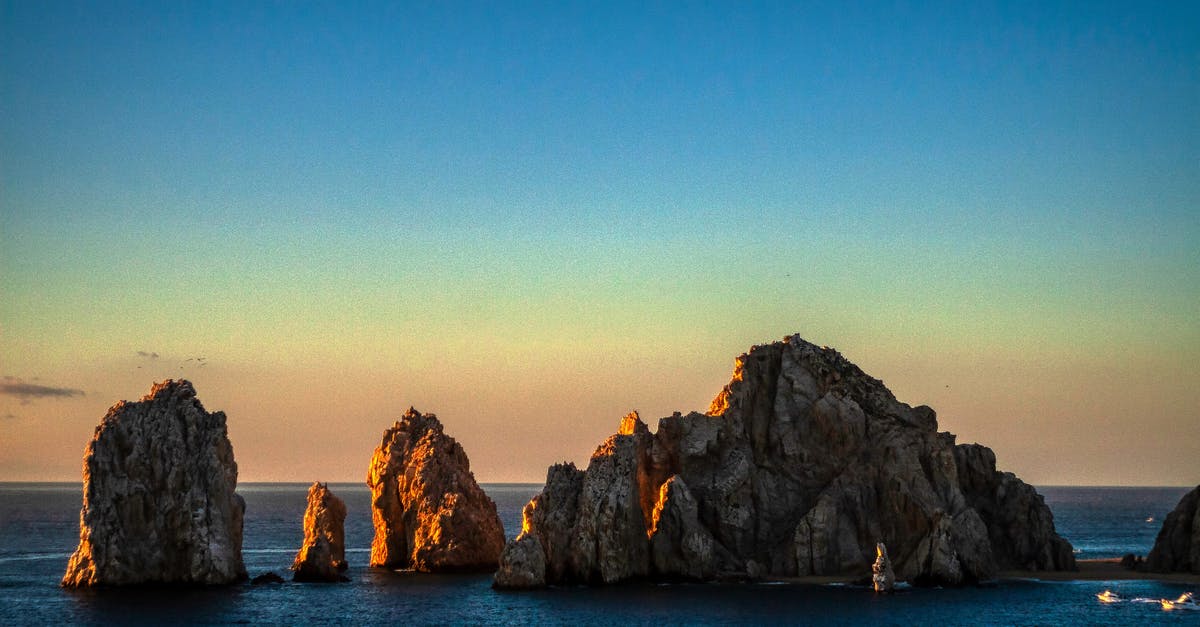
(882, 574)
(800, 466)
(429, 513)
(159, 505)
(1177, 547)
(323, 555)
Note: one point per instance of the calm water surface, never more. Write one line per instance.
(39, 529)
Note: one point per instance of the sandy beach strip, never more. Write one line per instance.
(1100, 570)
(1088, 570)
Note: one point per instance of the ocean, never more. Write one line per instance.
(39, 527)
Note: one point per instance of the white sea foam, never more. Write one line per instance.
(29, 557)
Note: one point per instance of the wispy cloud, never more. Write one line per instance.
(153, 360)
(13, 386)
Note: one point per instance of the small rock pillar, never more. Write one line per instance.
(884, 577)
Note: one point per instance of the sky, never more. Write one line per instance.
(531, 218)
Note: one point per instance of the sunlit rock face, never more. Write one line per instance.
(882, 576)
(802, 464)
(1177, 547)
(429, 513)
(323, 555)
(554, 513)
(679, 543)
(158, 496)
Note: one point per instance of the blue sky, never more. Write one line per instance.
(556, 110)
(314, 181)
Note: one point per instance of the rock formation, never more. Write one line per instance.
(522, 564)
(1177, 547)
(802, 463)
(429, 513)
(266, 578)
(158, 496)
(882, 574)
(679, 544)
(323, 555)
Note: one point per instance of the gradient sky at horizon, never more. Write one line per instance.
(532, 218)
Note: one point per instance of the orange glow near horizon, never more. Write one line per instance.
(279, 416)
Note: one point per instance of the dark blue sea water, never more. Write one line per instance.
(39, 529)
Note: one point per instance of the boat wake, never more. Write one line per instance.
(1186, 601)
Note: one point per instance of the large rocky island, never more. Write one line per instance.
(802, 464)
(158, 496)
(429, 513)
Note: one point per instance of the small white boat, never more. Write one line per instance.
(1108, 596)
(1186, 601)
(1150, 519)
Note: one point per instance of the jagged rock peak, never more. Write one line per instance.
(322, 557)
(757, 369)
(181, 388)
(632, 424)
(1177, 547)
(802, 464)
(429, 513)
(159, 501)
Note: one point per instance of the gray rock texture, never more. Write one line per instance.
(801, 464)
(429, 513)
(158, 496)
(679, 544)
(522, 564)
(322, 557)
(1177, 547)
(553, 513)
(883, 577)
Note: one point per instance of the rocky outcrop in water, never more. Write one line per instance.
(1177, 547)
(266, 579)
(323, 555)
(158, 496)
(802, 463)
(429, 513)
(522, 564)
(882, 575)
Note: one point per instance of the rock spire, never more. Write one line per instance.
(882, 575)
(158, 496)
(322, 557)
(429, 513)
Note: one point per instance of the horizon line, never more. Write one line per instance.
(535, 483)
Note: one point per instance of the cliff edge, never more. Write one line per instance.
(1177, 547)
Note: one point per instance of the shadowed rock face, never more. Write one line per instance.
(323, 555)
(883, 578)
(801, 466)
(429, 513)
(158, 496)
(522, 565)
(1177, 547)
